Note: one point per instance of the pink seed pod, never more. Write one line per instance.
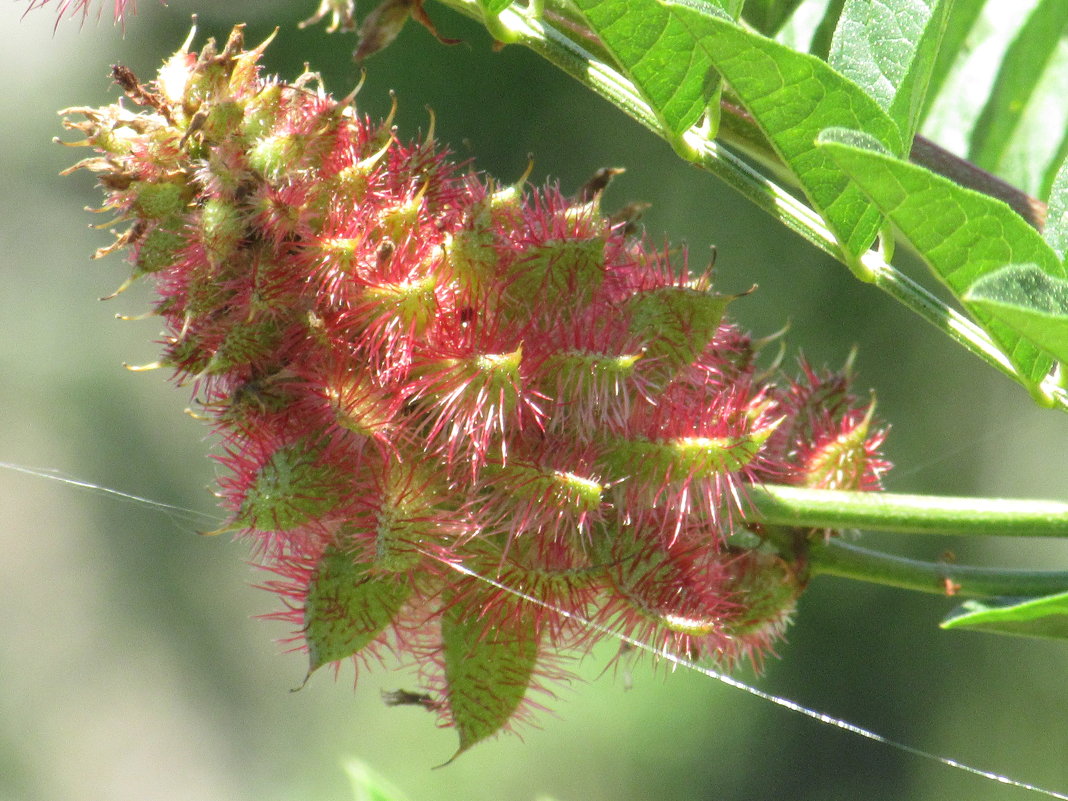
(417, 377)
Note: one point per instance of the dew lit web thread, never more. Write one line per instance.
(969, 447)
(175, 513)
(786, 703)
(675, 659)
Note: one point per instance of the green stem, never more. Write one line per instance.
(561, 46)
(838, 558)
(798, 507)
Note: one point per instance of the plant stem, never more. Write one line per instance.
(838, 558)
(559, 44)
(798, 507)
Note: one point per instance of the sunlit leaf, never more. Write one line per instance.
(1055, 231)
(961, 20)
(494, 6)
(1048, 185)
(1021, 69)
(889, 49)
(368, 785)
(1030, 301)
(1025, 617)
(767, 16)
(824, 33)
(654, 50)
(961, 234)
(793, 96)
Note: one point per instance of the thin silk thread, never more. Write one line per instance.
(675, 659)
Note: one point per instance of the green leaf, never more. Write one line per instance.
(1053, 184)
(1037, 148)
(767, 16)
(961, 234)
(494, 7)
(655, 51)
(1025, 617)
(824, 33)
(368, 785)
(962, 17)
(1031, 301)
(1056, 230)
(488, 668)
(1021, 68)
(793, 96)
(347, 607)
(889, 49)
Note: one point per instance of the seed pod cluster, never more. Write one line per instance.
(421, 380)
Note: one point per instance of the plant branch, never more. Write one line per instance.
(798, 507)
(738, 130)
(838, 558)
(556, 40)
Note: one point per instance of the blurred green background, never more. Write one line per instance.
(130, 664)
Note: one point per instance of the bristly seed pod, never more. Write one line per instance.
(413, 370)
